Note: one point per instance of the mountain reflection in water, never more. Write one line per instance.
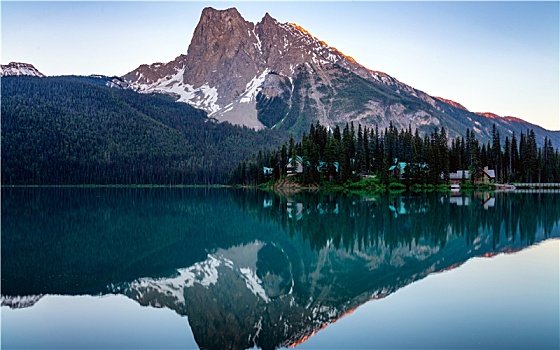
(251, 268)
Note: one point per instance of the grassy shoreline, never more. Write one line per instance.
(366, 186)
(371, 186)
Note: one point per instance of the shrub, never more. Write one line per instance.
(397, 186)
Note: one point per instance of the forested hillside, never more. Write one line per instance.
(75, 130)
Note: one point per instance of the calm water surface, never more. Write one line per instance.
(231, 269)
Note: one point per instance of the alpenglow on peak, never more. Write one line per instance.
(278, 75)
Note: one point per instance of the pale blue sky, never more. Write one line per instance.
(500, 57)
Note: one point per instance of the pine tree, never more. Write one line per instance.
(367, 151)
(496, 152)
(515, 160)
(360, 151)
(506, 162)
(528, 149)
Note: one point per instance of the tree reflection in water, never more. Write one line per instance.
(252, 267)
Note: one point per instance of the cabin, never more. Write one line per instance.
(397, 170)
(459, 176)
(329, 169)
(268, 171)
(326, 167)
(485, 175)
(295, 166)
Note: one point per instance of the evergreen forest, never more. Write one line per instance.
(75, 130)
(342, 155)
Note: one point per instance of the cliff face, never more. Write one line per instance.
(272, 74)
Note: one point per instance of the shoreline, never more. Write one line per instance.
(285, 186)
(118, 186)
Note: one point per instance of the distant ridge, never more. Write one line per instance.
(453, 103)
(19, 69)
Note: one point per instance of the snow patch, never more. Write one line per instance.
(252, 87)
(204, 97)
(19, 69)
(258, 44)
(254, 283)
(19, 302)
(204, 273)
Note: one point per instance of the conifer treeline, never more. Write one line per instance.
(359, 151)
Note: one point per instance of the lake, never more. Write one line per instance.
(210, 268)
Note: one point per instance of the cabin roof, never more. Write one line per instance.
(490, 172)
(460, 174)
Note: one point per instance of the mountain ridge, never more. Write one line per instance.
(28, 69)
(278, 75)
(19, 69)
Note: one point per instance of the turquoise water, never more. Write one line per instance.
(233, 269)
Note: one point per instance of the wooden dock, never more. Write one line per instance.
(537, 185)
(537, 190)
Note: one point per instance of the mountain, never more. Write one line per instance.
(18, 68)
(278, 75)
(78, 130)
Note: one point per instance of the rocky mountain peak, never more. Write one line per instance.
(279, 75)
(267, 18)
(222, 54)
(212, 15)
(268, 22)
(220, 24)
(19, 68)
(228, 62)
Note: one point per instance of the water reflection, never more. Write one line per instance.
(251, 267)
(392, 221)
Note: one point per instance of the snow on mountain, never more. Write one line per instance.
(203, 96)
(298, 79)
(253, 87)
(19, 302)
(204, 274)
(229, 60)
(18, 69)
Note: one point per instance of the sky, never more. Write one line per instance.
(500, 57)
